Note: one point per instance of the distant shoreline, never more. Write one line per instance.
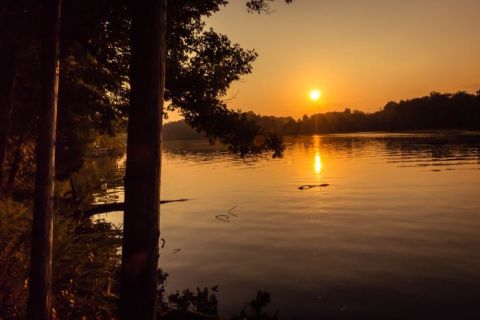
(437, 111)
(185, 132)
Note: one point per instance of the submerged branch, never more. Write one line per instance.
(311, 186)
(117, 206)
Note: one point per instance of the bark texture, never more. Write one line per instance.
(141, 228)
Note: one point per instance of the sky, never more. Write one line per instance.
(359, 53)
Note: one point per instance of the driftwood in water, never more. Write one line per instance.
(310, 186)
(226, 217)
(118, 206)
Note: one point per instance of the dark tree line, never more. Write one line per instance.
(437, 111)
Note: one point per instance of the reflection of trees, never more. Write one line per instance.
(434, 148)
(402, 148)
(99, 180)
(200, 148)
(202, 151)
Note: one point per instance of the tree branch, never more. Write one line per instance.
(112, 207)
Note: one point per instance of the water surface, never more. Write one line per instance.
(394, 235)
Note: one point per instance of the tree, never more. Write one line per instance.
(141, 229)
(142, 181)
(39, 301)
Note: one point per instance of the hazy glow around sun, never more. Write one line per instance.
(315, 94)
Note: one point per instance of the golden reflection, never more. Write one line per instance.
(318, 163)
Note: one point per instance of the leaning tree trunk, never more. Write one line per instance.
(7, 83)
(141, 228)
(39, 300)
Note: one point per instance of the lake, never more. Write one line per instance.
(394, 235)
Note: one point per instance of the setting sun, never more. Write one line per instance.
(315, 94)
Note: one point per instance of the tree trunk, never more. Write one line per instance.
(7, 83)
(141, 227)
(39, 300)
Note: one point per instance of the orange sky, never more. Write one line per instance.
(359, 53)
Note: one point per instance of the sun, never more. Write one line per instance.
(315, 94)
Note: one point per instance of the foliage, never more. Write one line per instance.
(200, 70)
(94, 82)
(203, 304)
(86, 260)
(255, 309)
(261, 5)
(203, 301)
(14, 252)
(86, 272)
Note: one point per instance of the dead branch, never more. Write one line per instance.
(115, 207)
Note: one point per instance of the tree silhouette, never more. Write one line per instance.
(141, 229)
(40, 281)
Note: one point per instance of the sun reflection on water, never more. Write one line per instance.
(318, 163)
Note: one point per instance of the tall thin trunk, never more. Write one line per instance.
(39, 300)
(141, 228)
(7, 84)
